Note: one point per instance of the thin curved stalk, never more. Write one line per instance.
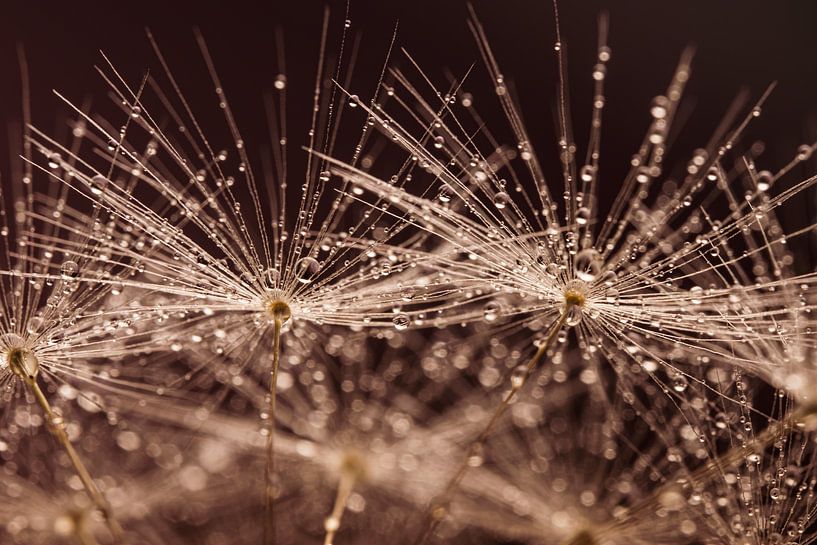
(345, 487)
(56, 426)
(269, 471)
(437, 509)
(82, 533)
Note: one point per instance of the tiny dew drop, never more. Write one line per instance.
(439, 141)
(609, 278)
(98, 184)
(354, 100)
(324, 176)
(69, 269)
(501, 200)
(401, 322)
(586, 173)
(476, 456)
(518, 375)
(612, 295)
(582, 215)
(272, 276)
(54, 160)
(305, 269)
(764, 180)
(491, 311)
(280, 82)
(695, 295)
(659, 106)
(679, 382)
(331, 524)
(804, 152)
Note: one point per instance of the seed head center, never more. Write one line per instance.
(23, 362)
(277, 309)
(575, 293)
(353, 464)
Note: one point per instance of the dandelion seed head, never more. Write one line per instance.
(353, 462)
(278, 309)
(575, 293)
(17, 357)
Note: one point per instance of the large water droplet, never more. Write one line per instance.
(34, 325)
(587, 265)
(306, 268)
(574, 315)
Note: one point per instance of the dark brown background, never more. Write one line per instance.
(739, 44)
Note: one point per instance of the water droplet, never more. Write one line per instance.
(583, 215)
(586, 173)
(305, 269)
(401, 322)
(491, 311)
(475, 455)
(574, 315)
(612, 295)
(695, 295)
(98, 184)
(501, 200)
(34, 325)
(324, 176)
(804, 152)
(54, 160)
(331, 524)
(609, 278)
(587, 265)
(271, 276)
(354, 100)
(679, 382)
(764, 180)
(518, 376)
(280, 82)
(69, 270)
(658, 108)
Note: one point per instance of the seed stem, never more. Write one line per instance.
(437, 509)
(269, 471)
(82, 533)
(345, 486)
(57, 428)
